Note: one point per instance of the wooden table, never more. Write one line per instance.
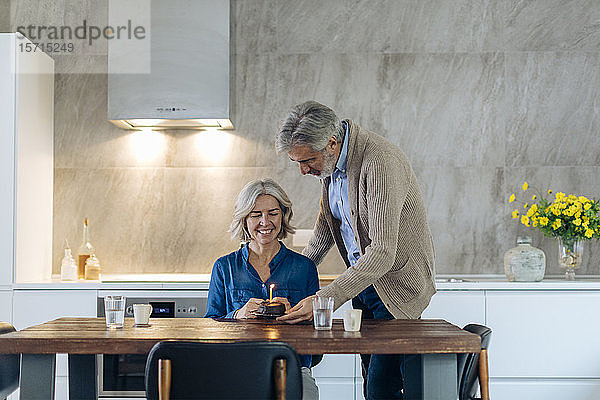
(83, 338)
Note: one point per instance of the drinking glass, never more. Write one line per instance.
(114, 309)
(323, 313)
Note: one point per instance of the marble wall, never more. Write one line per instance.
(481, 95)
(4, 15)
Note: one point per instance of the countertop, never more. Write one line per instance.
(201, 281)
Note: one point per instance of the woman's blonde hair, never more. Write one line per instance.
(246, 201)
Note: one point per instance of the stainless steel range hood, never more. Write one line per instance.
(186, 85)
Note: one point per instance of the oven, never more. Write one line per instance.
(122, 375)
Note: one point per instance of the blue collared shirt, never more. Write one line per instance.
(338, 201)
(234, 281)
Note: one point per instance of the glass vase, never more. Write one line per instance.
(570, 253)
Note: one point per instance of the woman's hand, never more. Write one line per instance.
(283, 301)
(248, 309)
(303, 311)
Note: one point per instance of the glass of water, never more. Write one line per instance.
(114, 309)
(323, 312)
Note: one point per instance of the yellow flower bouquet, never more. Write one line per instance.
(569, 218)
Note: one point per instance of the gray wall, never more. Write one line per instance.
(481, 95)
(4, 15)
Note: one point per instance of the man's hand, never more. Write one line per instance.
(303, 311)
(283, 301)
(248, 309)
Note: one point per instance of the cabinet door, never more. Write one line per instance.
(544, 389)
(335, 388)
(459, 307)
(544, 334)
(32, 307)
(336, 366)
(7, 158)
(6, 306)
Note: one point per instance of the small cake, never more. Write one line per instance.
(271, 308)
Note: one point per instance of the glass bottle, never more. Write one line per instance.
(524, 263)
(68, 267)
(92, 268)
(85, 250)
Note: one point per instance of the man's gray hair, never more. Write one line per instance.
(309, 124)
(246, 201)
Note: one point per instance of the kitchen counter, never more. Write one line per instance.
(135, 281)
(499, 282)
(201, 282)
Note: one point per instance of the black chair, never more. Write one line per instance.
(474, 366)
(246, 370)
(9, 367)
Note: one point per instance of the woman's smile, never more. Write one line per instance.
(264, 221)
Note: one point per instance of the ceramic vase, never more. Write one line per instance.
(524, 263)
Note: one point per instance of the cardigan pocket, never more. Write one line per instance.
(409, 281)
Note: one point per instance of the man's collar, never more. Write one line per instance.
(343, 158)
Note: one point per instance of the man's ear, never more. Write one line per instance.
(331, 145)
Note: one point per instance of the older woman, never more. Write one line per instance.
(240, 280)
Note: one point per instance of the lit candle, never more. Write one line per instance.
(271, 291)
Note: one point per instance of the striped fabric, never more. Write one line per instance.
(390, 227)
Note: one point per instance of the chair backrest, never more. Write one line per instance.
(223, 370)
(9, 366)
(468, 363)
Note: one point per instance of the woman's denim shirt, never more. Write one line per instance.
(234, 281)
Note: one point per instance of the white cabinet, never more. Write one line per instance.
(459, 307)
(358, 382)
(545, 344)
(26, 161)
(335, 366)
(335, 376)
(6, 305)
(544, 334)
(544, 389)
(336, 389)
(33, 307)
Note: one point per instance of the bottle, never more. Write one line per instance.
(92, 268)
(85, 250)
(68, 267)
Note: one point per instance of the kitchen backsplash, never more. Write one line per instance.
(480, 95)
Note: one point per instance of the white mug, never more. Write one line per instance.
(352, 320)
(141, 313)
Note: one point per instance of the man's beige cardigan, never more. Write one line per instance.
(390, 227)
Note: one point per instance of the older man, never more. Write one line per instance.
(372, 209)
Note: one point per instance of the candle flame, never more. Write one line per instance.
(271, 286)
